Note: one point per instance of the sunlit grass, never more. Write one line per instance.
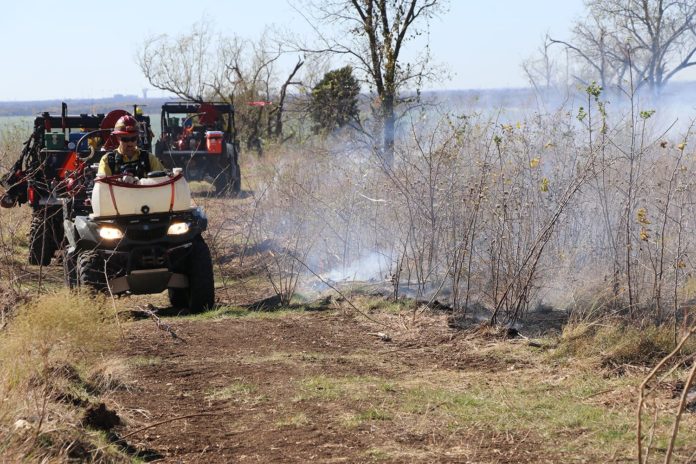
(54, 357)
(616, 343)
(141, 361)
(236, 312)
(296, 420)
(54, 329)
(238, 391)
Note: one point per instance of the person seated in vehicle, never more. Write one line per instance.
(128, 159)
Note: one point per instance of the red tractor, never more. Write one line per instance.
(200, 137)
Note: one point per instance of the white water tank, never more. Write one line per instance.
(113, 197)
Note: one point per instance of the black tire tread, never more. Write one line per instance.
(237, 181)
(44, 235)
(179, 297)
(69, 270)
(201, 278)
(90, 270)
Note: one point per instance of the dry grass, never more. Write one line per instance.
(327, 205)
(503, 388)
(54, 358)
(612, 343)
(53, 329)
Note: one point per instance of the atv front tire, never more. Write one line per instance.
(179, 297)
(200, 294)
(90, 271)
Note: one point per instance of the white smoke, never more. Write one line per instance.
(374, 266)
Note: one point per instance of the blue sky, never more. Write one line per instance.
(87, 49)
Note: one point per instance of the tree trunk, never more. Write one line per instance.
(389, 130)
(281, 102)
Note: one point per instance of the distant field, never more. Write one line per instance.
(25, 123)
(16, 121)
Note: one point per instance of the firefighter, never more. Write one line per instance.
(128, 159)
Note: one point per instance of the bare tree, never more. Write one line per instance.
(373, 35)
(183, 65)
(277, 112)
(542, 70)
(653, 38)
(202, 65)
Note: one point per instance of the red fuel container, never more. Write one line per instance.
(213, 141)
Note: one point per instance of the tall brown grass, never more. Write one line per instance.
(48, 356)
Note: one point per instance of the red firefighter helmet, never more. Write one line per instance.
(126, 125)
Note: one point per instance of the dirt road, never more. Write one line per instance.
(295, 387)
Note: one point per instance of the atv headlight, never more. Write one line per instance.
(110, 233)
(178, 228)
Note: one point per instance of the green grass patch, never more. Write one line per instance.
(237, 312)
(321, 387)
(311, 358)
(273, 357)
(388, 387)
(237, 390)
(377, 454)
(389, 306)
(581, 410)
(512, 403)
(370, 414)
(374, 414)
(295, 421)
(324, 387)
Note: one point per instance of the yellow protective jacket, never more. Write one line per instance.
(136, 162)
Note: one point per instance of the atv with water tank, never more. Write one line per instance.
(140, 236)
(116, 234)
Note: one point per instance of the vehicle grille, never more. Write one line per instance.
(142, 234)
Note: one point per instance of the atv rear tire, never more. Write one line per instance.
(229, 184)
(44, 235)
(222, 184)
(200, 294)
(90, 271)
(237, 180)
